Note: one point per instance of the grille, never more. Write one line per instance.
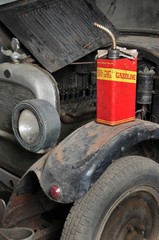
(10, 95)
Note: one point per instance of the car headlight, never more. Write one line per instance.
(28, 126)
(36, 124)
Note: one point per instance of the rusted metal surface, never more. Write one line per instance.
(23, 207)
(78, 161)
(26, 211)
(136, 217)
(68, 26)
(33, 210)
(90, 139)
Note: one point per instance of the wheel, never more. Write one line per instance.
(123, 204)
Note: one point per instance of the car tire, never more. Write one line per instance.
(123, 204)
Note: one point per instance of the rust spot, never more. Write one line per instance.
(103, 134)
(96, 145)
(88, 45)
(59, 153)
(91, 133)
(25, 208)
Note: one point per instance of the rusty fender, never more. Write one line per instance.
(80, 159)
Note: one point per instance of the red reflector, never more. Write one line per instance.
(55, 192)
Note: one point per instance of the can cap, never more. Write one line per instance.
(113, 53)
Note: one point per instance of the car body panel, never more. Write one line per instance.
(56, 32)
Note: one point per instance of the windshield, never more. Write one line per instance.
(136, 15)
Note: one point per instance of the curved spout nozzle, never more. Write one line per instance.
(108, 32)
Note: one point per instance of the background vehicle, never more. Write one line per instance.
(56, 162)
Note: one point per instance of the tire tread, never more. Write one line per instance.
(78, 220)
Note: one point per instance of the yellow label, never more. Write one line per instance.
(111, 74)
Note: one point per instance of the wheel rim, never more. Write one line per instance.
(134, 216)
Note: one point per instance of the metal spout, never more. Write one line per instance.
(108, 32)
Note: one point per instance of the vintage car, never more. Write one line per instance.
(64, 175)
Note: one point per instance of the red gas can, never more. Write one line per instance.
(116, 90)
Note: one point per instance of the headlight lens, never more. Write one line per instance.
(36, 125)
(28, 127)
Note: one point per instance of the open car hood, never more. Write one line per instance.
(56, 32)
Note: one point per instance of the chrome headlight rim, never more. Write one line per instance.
(47, 118)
